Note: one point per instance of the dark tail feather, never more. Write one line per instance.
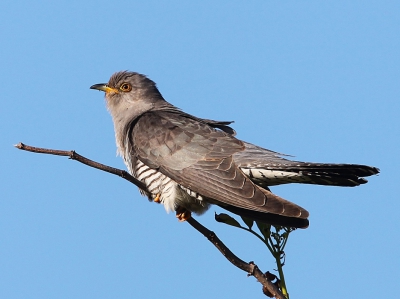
(347, 175)
(343, 169)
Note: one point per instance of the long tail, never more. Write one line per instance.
(347, 175)
(268, 168)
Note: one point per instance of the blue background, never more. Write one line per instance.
(318, 80)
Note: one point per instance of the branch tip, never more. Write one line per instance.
(20, 145)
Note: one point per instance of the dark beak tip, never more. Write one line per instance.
(98, 86)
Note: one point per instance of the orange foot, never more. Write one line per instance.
(183, 214)
(157, 199)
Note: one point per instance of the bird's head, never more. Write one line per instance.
(128, 95)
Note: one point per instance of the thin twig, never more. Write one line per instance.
(250, 268)
(75, 156)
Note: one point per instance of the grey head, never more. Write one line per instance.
(129, 95)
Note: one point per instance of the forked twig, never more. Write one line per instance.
(251, 268)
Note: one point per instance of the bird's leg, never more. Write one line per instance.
(157, 198)
(183, 214)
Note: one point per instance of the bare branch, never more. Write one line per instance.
(252, 270)
(75, 156)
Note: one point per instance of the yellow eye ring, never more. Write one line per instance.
(125, 87)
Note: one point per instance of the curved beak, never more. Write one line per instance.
(103, 87)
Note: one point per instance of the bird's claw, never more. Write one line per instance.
(183, 214)
(157, 198)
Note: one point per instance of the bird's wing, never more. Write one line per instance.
(199, 157)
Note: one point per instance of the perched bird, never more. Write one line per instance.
(188, 163)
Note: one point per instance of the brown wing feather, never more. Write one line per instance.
(199, 157)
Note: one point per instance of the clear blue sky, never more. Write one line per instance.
(318, 80)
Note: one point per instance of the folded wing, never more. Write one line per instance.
(200, 158)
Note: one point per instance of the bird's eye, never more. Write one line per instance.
(126, 87)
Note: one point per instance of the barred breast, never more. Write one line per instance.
(171, 194)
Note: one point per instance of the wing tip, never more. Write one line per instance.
(270, 218)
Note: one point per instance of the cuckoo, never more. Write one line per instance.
(189, 163)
